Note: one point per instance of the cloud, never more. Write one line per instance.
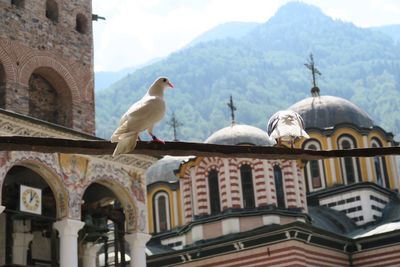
(137, 31)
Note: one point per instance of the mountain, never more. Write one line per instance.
(264, 72)
(103, 79)
(391, 30)
(234, 30)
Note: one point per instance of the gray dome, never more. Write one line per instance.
(237, 134)
(327, 111)
(163, 170)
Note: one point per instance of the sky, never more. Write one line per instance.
(138, 31)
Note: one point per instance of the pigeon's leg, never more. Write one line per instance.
(153, 137)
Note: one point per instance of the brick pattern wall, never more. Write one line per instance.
(260, 183)
(186, 189)
(388, 256)
(235, 184)
(293, 181)
(290, 184)
(230, 184)
(290, 253)
(202, 171)
(31, 43)
(302, 187)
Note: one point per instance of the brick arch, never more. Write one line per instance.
(51, 178)
(126, 199)
(208, 163)
(50, 97)
(8, 66)
(246, 162)
(51, 68)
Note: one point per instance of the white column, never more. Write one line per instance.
(194, 204)
(90, 254)
(393, 164)
(68, 232)
(368, 160)
(176, 218)
(2, 208)
(137, 245)
(332, 163)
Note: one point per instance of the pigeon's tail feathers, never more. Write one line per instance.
(126, 145)
(121, 130)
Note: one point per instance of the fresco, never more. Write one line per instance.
(69, 175)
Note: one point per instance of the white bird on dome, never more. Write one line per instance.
(142, 115)
(286, 126)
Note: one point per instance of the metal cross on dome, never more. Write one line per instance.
(232, 107)
(311, 66)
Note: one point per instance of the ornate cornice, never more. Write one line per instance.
(17, 125)
(14, 124)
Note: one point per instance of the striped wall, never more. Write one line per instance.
(290, 253)
(382, 257)
(195, 191)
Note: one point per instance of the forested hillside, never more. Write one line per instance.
(264, 71)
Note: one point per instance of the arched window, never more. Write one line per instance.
(213, 189)
(381, 174)
(280, 192)
(161, 212)
(2, 87)
(349, 165)
(18, 3)
(314, 170)
(247, 187)
(52, 10)
(81, 24)
(49, 97)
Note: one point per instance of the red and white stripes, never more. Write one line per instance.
(195, 191)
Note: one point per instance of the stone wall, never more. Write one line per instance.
(45, 103)
(52, 38)
(30, 26)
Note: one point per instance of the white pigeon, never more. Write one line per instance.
(287, 126)
(142, 115)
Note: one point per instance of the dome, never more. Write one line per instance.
(163, 170)
(327, 111)
(238, 134)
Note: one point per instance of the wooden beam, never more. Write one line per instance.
(103, 147)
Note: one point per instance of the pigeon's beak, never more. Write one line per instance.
(170, 85)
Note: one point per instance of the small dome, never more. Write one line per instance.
(327, 111)
(163, 170)
(238, 134)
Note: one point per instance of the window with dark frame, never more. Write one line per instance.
(348, 164)
(280, 193)
(18, 3)
(52, 10)
(81, 24)
(247, 187)
(213, 188)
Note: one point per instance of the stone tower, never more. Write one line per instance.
(46, 61)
